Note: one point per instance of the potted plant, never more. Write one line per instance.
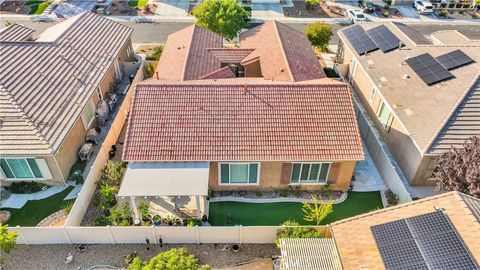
(204, 218)
(143, 207)
(177, 222)
(157, 220)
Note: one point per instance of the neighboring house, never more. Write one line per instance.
(422, 106)
(262, 116)
(49, 89)
(438, 232)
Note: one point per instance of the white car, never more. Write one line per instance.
(423, 7)
(356, 16)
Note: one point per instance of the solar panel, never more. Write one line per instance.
(359, 39)
(428, 69)
(454, 59)
(429, 242)
(383, 38)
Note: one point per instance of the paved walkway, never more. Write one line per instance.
(172, 8)
(408, 12)
(19, 200)
(367, 177)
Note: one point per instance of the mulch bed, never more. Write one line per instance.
(393, 12)
(457, 15)
(123, 9)
(276, 194)
(299, 10)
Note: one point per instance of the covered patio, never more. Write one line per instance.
(175, 189)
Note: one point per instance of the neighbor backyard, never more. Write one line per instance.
(265, 214)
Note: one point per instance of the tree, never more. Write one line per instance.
(312, 3)
(319, 34)
(173, 259)
(224, 17)
(316, 212)
(8, 241)
(113, 172)
(291, 229)
(459, 169)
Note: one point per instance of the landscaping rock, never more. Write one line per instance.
(5, 216)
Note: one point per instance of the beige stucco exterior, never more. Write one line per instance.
(270, 178)
(416, 167)
(60, 163)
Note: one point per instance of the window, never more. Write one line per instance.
(384, 114)
(239, 173)
(87, 114)
(310, 173)
(21, 169)
(372, 94)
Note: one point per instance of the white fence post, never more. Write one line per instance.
(240, 234)
(21, 235)
(66, 235)
(197, 233)
(111, 234)
(155, 239)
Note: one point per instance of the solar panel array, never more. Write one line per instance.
(359, 39)
(383, 38)
(428, 69)
(427, 242)
(454, 59)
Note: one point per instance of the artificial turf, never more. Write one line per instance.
(34, 211)
(137, 3)
(265, 214)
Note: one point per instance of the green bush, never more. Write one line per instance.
(101, 221)
(173, 259)
(143, 207)
(121, 215)
(194, 222)
(284, 193)
(258, 193)
(291, 230)
(157, 52)
(25, 187)
(319, 35)
(68, 207)
(113, 172)
(8, 241)
(392, 198)
(150, 69)
(107, 196)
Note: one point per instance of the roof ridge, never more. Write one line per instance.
(473, 86)
(194, 27)
(387, 209)
(27, 118)
(283, 49)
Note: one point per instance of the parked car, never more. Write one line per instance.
(367, 6)
(423, 7)
(356, 16)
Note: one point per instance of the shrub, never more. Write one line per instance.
(310, 4)
(258, 193)
(291, 229)
(284, 193)
(173, 259)
(392, 198)
(143, 207)
(68, 207)
(157, 52)
(113, 172)
(319, 35)
(316, 211)
(25, 187)
(107, 196)
(121, 215)
(150, 69)
(8, 242)
(385, 14)
(386, 7)
(443, 13)
(101, 221)
(194, 222)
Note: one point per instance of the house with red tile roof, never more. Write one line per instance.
(262, 116)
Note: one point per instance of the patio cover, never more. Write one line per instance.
(165, 179)
(309, 254)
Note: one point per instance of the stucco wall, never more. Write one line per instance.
(270, 175)
(253, 69)
(68, 153)
(395, 136)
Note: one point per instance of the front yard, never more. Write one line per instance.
(269, 214)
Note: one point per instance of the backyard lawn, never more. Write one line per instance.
(34, 211)
(258, 214)
(37, 7)
(137, 3)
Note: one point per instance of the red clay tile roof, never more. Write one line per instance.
(223, 73)
(230, 55)
(193, 122)
(185, 56)
(285, 53)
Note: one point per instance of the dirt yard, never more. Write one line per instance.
(14, 7)
(299, 10)
(122, 8)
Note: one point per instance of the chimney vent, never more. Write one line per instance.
(245, 89)
(156, 75)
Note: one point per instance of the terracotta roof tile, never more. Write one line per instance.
(223, 73)
(230, 55)
(190, 122)
(358, 249)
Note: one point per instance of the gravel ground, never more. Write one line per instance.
(275, 194)
(51, 257)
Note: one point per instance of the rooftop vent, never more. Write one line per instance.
(405, 76)
(383, 81)
(370, 63)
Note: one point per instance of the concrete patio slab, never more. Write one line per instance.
(19, 200)
(367, 177)
(408, 12)
(172, 8)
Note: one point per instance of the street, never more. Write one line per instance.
(158, 32)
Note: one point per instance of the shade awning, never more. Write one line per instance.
(165, 179)
(309, 253)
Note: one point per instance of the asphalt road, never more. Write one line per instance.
(158, 32)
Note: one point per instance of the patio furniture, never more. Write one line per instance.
(93, 135)
(102, 111)
(85, 151)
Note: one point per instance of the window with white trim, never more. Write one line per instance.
(384, 114)
(239, 173)
(315, 173)
(88, 114)
(372, 94)
(21, 169)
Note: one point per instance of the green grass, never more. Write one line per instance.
(79, 165)
(37, 7)
(137, 3)
(34, 211)
(264, 214)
